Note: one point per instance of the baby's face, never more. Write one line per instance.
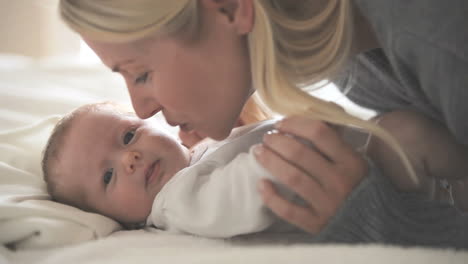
(119, 163)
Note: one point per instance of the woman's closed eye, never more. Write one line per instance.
(142, 78)
(107, 177)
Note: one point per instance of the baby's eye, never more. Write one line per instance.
(128, 137)
(142, 78)
(108, 176)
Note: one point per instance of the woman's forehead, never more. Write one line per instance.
(115, 53)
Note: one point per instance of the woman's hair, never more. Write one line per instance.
(124, 21)
(293, 44)
(254, 111)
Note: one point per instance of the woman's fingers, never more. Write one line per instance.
(304, 157)
(299, 216)
(322, 174)
(343, 159)
(309, 160)
(323, 136)
(296, 180)
(328, 141)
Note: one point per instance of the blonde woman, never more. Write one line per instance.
(199, 61)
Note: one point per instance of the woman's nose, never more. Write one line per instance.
(131, 160)
(145, 106)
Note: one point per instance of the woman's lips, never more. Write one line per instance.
(153, 172)
(186, 127)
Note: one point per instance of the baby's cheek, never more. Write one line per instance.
(134, 206)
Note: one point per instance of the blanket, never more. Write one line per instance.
(33, 97)
(34, 229)
(153, 246)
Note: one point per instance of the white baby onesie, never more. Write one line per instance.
(217, 196)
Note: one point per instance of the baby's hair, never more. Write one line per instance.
(53, 150)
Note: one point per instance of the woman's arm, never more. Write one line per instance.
(347, 199)
(375, 212)
(427, 55)
(432, 149)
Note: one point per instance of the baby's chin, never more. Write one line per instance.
(134, 222)
(137, 216)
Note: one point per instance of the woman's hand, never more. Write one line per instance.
(323, 175)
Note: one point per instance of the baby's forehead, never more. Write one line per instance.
(124, 111)
(112, 108)
(100, 113)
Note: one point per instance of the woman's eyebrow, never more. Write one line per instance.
(118, 66)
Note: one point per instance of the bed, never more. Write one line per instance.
(33, 229)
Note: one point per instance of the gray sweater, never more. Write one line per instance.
(423, 66)
(376, 213)
(423, 62)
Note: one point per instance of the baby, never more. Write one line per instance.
(103, 159)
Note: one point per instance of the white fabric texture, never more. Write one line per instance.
(27, 217)
(33, 96)
(217, 196)
(145, 247)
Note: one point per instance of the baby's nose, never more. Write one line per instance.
(131, 160)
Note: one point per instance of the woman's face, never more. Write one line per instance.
(199, 85)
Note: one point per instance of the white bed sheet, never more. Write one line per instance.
(156, 247)
(32, 97)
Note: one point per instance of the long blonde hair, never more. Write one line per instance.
(292, 44)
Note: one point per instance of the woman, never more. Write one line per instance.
(199, 61)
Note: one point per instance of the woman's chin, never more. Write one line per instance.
(219, 134)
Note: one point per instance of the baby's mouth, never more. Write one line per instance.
(152, 172)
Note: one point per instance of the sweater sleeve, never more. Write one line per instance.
(369, 81)
(425, 44)
(376, 213)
